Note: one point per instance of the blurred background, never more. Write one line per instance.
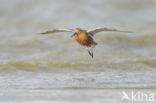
(30, 61)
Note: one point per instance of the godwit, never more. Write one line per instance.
(84, 37)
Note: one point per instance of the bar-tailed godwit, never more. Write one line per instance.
(84, 37)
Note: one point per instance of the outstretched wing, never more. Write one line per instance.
(58, 30)
(92, 32)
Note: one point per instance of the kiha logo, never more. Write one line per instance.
(138, 96)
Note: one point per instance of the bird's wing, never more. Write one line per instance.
(92, 32)
(58, 30)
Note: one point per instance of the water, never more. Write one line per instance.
(56, 63)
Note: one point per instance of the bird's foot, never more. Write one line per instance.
(90, 53)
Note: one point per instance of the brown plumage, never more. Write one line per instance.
(84, 37)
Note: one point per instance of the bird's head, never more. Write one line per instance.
(77, 30)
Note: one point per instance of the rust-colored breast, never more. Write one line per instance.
(83, 39)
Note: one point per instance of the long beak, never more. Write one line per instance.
(72, 35)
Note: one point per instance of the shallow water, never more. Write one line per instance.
(74, 96)
(122, 60)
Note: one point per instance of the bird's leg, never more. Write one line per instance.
(91, 52)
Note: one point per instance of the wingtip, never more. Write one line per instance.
(43, 33)
(127, 31)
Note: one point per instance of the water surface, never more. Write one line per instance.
(32, 61)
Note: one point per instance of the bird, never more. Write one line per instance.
(85, 37)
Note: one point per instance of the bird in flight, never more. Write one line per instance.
(84, 37)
